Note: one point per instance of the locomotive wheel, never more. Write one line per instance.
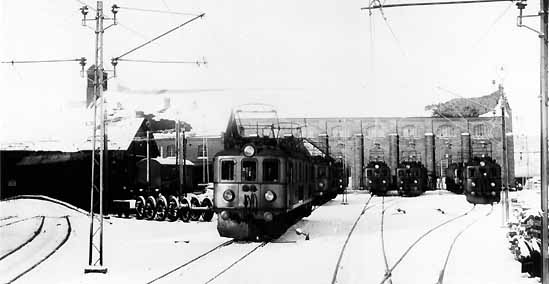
(208, 214)
(195, 215)
(150, 208)
(140, 207)
(172, 208)
(185, 211)
(161, 210)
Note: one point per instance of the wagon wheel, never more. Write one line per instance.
(161, 209)
(185, 211)
(172, 208)
(195, 214)
(150, 208)
(140, 207)
(207, 215)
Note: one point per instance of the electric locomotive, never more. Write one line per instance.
(482, 180)
(264, 182)
(454, 178)
(378, 177)
(378, 173)
(411, 178)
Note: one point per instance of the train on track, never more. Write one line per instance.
(267, 177)
(479, 178)
(411, 178)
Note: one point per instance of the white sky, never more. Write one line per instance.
(307, 58)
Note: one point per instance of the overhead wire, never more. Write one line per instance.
(159, 11)
(197, 62)
(492, 25)
(40, 61)
(395, 38)
(157, 37)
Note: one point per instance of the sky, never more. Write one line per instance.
(306, 58)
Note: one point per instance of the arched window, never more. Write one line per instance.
(337, 131)
(480, 130)
(409, 131)
(374, 132)
(446, 131)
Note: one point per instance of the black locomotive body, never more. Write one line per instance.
(411, 178)
(378, 177)
(482, 177)
(454, 178)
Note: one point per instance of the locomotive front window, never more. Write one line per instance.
(249, 170)
(471, 172)
(227, 170)
(321, 172)
(400, 173)
(270, 170)
(369, 173)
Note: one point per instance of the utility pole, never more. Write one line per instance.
(543, 106)
(95, 249)
(505, 172)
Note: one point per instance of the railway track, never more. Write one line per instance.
(15, 263)
(343, 248)
(27, 241)
(390, 269)
(443, 269)
(210, 255)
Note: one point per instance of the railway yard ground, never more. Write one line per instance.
(458, 243)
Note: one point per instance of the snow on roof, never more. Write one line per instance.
(171, 161)
(120, 133)
(74, 133)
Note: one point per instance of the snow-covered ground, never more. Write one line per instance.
(138, 251)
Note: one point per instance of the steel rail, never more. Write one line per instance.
(236, 262)
(334, 278)
(18, 221)
(443, 270)
(192, 260)
(383, 239)
(390, 271)
(65, 239)
(36, 232)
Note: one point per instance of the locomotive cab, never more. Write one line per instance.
(483, 182)
(378, 177)
(411, 179)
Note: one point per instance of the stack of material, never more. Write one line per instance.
(525, 238)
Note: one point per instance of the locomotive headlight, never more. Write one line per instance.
(228, 195)
(383, 181)
(415, 181)
(224, 215)
(482, 164)
(321, 184)
(140, 190)
(268, 216)
(376, 166)
(493, 193)
(473, 184)
(473, 193)
(401, 181)
(270, 196)
(249, 150)
(407, 166)
(492, 184)
(156, 189)
(485, 174)
(369, 181)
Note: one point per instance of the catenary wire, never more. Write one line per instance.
(159, 11)
(157, 37)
